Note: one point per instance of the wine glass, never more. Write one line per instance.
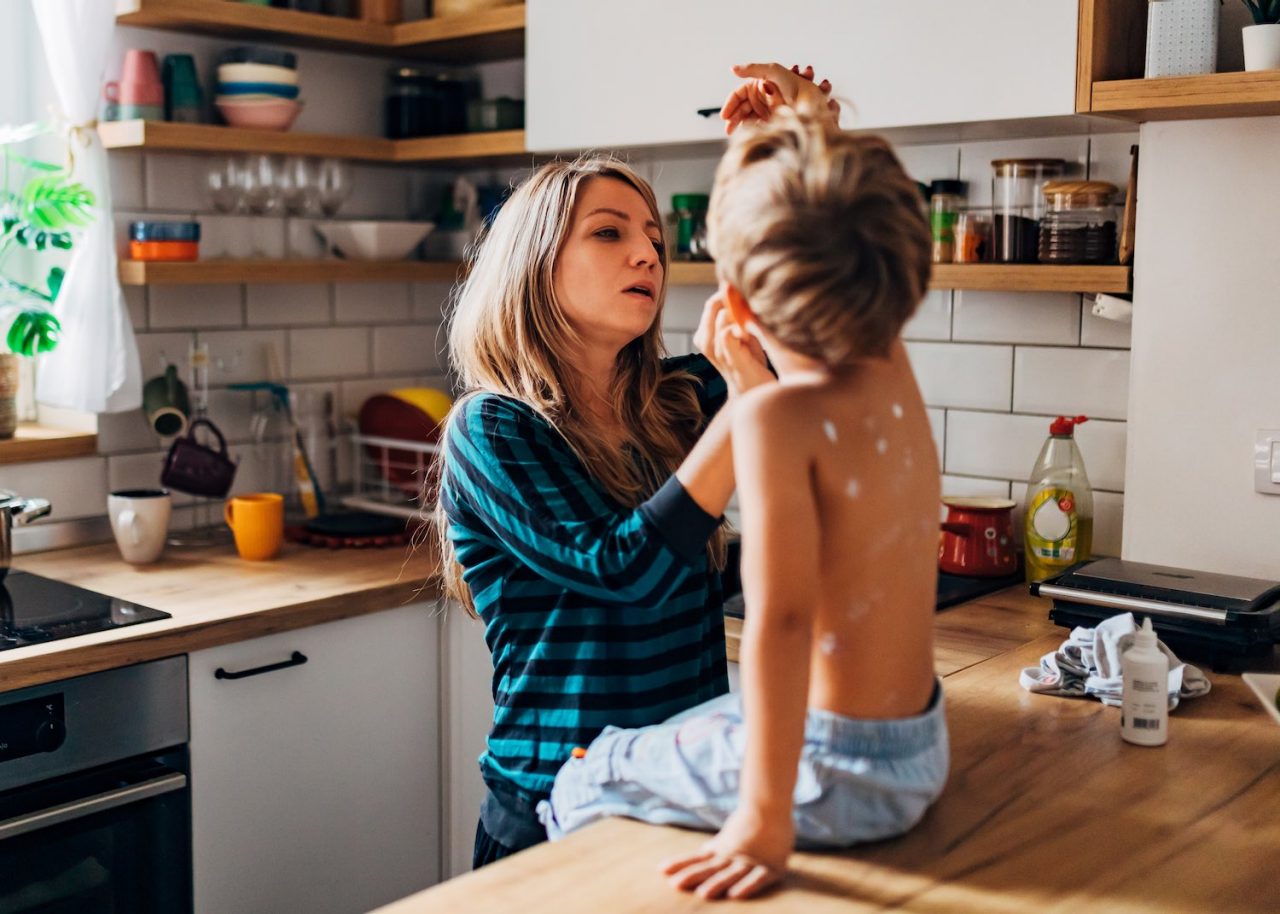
(262, 186)
(223, 182)
(333, 182)
(299, 186)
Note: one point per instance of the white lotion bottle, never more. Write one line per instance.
(1144, 714)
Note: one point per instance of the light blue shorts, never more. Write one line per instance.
(859, 780)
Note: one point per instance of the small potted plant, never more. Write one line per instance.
(1262, 39)
(37, 224)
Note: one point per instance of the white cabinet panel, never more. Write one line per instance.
(603, 73)
(467, 678)
(316, 787)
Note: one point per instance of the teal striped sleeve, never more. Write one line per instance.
(506, 466)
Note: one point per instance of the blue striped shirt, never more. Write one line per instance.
(595, 613)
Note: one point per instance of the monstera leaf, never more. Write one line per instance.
(33, 332)
(53, 202)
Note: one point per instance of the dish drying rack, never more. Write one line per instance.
(387, 474)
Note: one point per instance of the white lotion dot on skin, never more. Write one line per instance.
(829, 428)
(852, 489)
(828, 643)
(882, 446)
(897, 410)
(908, 461)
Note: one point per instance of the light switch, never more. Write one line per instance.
(1266, 461)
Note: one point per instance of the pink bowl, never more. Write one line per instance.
(275, 114)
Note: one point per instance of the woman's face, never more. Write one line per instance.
(609, 272)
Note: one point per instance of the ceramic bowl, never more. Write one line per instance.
(262, 114)
(253, 54)
(257, 73)
(374, 240)
(240, 89)
(1267, 687)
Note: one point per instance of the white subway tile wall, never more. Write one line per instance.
(995, 367)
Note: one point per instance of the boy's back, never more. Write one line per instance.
(854, 451)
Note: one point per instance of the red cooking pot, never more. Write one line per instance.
(977, 538)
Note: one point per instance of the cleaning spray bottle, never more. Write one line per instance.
(1144, 712)
(1058, 522)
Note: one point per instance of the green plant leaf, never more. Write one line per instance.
(54, 282)
(32, 332)
(55, 203)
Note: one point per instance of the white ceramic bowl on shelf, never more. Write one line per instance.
(374, 240)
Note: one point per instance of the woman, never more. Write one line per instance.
(583, 478)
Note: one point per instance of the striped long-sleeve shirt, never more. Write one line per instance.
(594, 613)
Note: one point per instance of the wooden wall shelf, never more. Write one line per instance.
(496, 34)
(209, 272)
(38, 442)
(1183, 97)
(163, 136)
(995, 277)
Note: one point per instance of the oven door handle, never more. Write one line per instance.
(78, 809)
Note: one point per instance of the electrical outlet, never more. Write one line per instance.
(1266, 461)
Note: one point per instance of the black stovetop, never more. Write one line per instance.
(34, 609)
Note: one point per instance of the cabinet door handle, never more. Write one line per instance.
(707, 112)
(298, 659)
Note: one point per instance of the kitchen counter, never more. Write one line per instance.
(1046, 809)
(215, 598)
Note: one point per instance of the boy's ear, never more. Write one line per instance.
(739, 310)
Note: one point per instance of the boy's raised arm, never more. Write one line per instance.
(780, 583)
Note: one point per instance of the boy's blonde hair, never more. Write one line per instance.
(509, 334)
(823, 233)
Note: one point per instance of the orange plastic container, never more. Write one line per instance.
(164, 250)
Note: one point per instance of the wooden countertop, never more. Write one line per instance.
(1046, 809)
(215, 598)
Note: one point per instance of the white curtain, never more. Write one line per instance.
(95, 367)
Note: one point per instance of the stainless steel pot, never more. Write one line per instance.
(15, 510)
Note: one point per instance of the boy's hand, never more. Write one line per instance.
(769, 86)
(743, 860)
(736, 354)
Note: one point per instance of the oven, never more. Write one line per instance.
(95, 804)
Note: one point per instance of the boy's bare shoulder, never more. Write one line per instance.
(778, 409)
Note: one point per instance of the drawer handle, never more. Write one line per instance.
(707, 112)
(298, 659)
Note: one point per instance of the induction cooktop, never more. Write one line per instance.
(35, 609)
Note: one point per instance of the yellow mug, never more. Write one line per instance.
(257, 521)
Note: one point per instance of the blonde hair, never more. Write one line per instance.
(509, 334)
(823, 233)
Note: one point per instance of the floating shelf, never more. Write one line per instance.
(38, 442)
(1182, 97)
(163, 136)
(495, 34)
(208, 272)
(995, 277)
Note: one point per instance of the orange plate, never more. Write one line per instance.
(164, 250)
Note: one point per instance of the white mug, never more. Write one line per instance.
(140, 522)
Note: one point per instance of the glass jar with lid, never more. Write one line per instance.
(1079, 223)
(413, 104)
(1017, 202)
(946, 197)
(691, 226)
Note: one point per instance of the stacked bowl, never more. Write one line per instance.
(258, 88)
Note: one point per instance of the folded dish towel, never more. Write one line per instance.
(1089, 663)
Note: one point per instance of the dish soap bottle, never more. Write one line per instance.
(1144, 712)
(1058, 523)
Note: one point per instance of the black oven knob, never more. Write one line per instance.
(50, 735)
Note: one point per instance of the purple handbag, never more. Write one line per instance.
(196, 468)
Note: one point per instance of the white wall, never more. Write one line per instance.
(1206, 347)
(994, 367)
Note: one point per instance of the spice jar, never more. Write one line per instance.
(946, 197)
(1079, 223)
(691, 226)
(973, 236)
(1017, 205)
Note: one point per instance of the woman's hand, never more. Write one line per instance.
(736, 354)
(769, 86)
(743, 860)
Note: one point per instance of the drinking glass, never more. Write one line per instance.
(299, 186)
(333, 181)
(223, 182)
(262, 186)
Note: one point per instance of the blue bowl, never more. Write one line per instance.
(253, 54)
(155, 230)
(276, 89)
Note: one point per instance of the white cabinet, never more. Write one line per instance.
(466, 676)
(603, 73)
(315, 787)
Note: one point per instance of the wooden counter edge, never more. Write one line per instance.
(130, 648)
